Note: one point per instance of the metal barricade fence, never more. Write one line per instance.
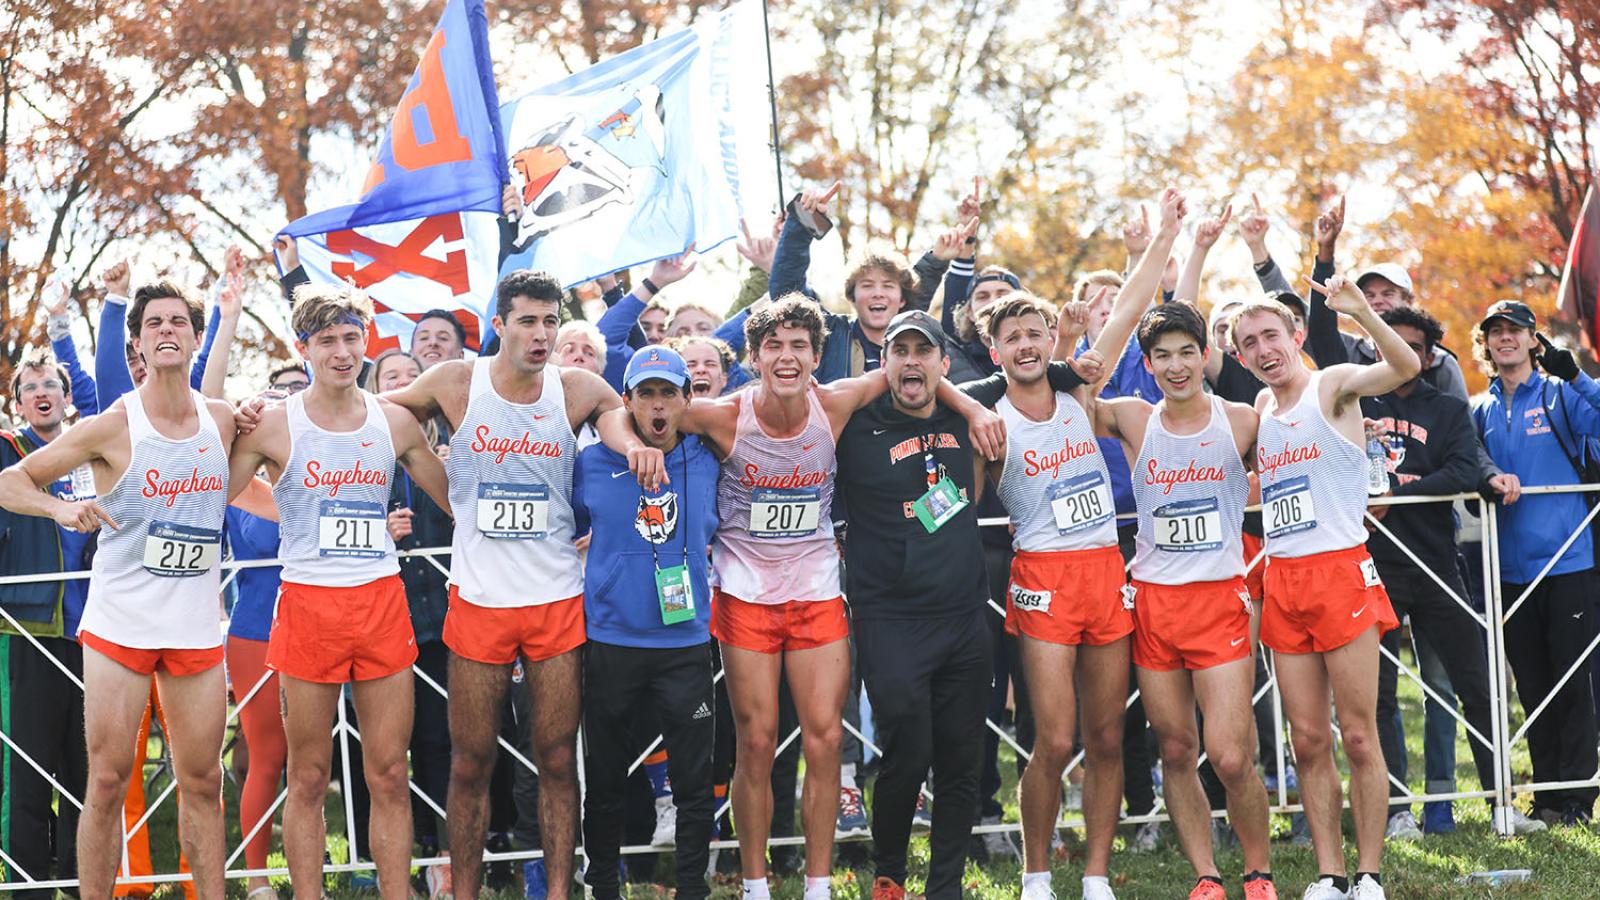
(1501, 739)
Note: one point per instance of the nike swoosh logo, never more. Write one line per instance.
(366, 443)
(618, 474)
(537, 418)
(1357, 613)
(1291, 424)
(878, 431)
(806, 448)
(1236, 642)
(1067, 420)
(202, 449)
(1207, 443)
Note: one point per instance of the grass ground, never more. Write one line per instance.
(1565, 862)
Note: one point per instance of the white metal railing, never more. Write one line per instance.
(1501, 740)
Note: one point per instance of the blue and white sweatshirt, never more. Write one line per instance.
(619, 586)
(1520, 433)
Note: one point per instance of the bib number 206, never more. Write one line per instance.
(1288, 507)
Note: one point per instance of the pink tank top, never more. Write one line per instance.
(775, 501)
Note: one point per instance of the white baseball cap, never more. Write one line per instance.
(1221, 311)
(1394, 273)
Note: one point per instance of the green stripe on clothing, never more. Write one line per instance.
(5, 753)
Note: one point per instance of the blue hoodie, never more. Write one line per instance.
(1522, 440)
(619, 587)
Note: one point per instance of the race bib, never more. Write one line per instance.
(1287, 508)
(351, 529)
(1081, 502)
(181, 551)
(514, 511)
(1029, 601)
(1188, 526)
(83, 483)
(1369, 574)
(785, 512)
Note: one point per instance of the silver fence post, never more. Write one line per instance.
(348, 787)
(1499, 675)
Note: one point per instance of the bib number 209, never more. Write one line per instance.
(1080, 503)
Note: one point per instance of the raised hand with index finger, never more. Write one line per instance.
(815, 200)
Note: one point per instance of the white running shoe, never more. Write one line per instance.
(1323, 889)
(1367, 889)
(1521, 824)
(1147, 838)
(666, 834)
(1403, 827)
(1039, 891)
(1097, 890)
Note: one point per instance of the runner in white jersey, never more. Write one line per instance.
(1325, 606)
(341, 617)
(1065, 601)
(159, 458)
(1191, 611)
(516, 583)
(778, 606)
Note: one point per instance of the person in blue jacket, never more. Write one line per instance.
(1536, 420)
(41, 709)
(647, 608)
(623, 314)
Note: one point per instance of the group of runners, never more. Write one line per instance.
(166, 462)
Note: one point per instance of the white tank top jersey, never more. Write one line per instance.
(333, 500)
(155, 584)
(1054, 480)
(775, 499)
(1191, 491)
(510, 471)
(1313, 479)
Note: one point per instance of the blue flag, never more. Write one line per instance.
(424, 234)
(638, 157)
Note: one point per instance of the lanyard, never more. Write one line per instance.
(935, 469)
(683, 503)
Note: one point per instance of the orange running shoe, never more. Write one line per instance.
(1205, 889)
(884, 888)
(1260, 889)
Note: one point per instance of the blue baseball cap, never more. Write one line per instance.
(655, 362)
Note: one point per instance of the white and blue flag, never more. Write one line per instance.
(637, 157)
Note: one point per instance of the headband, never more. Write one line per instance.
(345, 318)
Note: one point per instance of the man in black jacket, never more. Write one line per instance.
(908, 467)
(1433, 450)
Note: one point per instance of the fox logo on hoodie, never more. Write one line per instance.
(657, 518)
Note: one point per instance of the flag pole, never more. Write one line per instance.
(772, 99)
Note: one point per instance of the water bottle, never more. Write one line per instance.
(1498, 877)
(1377, 466)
